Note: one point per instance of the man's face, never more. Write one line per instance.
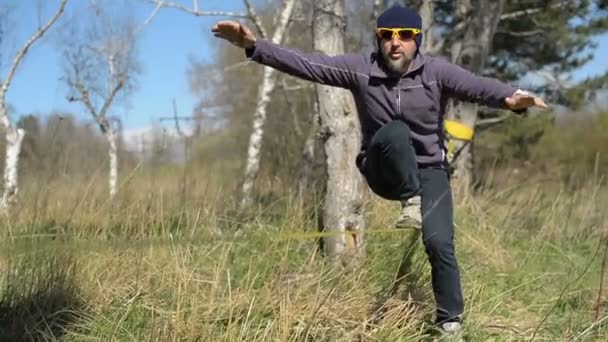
(398, 53)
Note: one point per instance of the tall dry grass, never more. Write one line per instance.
(162, 263)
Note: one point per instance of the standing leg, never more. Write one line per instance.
(438, 239)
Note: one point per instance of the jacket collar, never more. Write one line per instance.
(378, 70)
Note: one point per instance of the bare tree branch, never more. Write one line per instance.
(196, 12)
(520, 13)
(236, 65)
(530, 11)
(283, 20)
(486, 123)
(522, 34)
(172, 118)
(108, 102)
(19, 56)
(151, 16)
(100, 116)
(84, 97)
(256, 19)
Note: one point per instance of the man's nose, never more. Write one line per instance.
(395, 41)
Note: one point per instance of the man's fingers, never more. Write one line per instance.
(233, 32)
(224, 22)
(531, 100)
(540, 103)
(228, 24)
(518, 102)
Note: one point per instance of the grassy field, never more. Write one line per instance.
(161, 264)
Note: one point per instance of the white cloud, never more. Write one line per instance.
(141, 139)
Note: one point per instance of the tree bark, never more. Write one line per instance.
(14, 138)
(377, 7)
(340, 128)
(308, 154)
(113, 155)
(252, 161)
(426, 10)
(471, 51)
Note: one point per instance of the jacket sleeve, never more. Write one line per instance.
(466, 86)
(338, 71)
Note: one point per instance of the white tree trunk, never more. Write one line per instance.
(252, 162)
(113, 155)
(340, 128)
(14, 135)
(14, 138)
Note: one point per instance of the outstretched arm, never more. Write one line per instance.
(339, 71)
(466, 86)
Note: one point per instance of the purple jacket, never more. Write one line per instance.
(418, 98)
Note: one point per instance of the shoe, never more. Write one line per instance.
(410, 214)
(451, 332)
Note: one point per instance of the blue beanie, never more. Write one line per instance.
(398, 16)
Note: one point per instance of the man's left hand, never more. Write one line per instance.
(522, 100)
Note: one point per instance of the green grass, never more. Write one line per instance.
(147, 268)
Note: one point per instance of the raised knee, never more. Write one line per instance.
(392, 133)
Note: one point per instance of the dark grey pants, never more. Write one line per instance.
(391, 171)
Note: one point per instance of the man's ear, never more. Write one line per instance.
(418, 40)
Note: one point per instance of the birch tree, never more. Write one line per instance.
(14, 135)
(268, 83)
(100, 66)
(341, 135)
(252, 162)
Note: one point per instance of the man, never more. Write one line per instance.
(401, 96)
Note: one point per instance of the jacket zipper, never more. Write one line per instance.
(398, 101)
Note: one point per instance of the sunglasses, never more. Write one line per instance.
(401, 33)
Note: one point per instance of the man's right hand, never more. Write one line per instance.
(522, 100)
(235, 33)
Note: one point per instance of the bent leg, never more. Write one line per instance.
(390, 167)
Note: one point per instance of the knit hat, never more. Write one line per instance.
(398, 16)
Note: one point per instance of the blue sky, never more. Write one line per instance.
(166, 47)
